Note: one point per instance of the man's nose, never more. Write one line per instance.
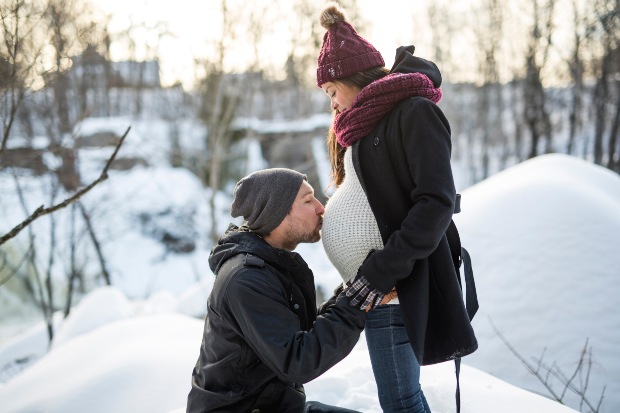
(320, 209)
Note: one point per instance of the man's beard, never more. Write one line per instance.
(297, 234)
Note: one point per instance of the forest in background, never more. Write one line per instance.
(540, 76)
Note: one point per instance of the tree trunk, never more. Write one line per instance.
(613, 162)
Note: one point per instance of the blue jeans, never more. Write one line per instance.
(396, 369)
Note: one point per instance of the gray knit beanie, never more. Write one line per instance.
(264, 197)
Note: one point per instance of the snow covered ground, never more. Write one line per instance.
(115, 356)
(543, 236)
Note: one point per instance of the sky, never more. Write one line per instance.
(543, 238)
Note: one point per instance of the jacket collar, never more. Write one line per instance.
(240, 240)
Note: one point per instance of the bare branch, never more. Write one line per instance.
(15, 270)
(534, 370)
(557, 373)
(41, 211)
(578, 369)
(93, 237)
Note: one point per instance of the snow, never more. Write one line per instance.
(143, 363)
(543, 236)
(174, 200)
(318, 120)
(136, 364)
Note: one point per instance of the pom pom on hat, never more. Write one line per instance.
(344, 52)
(265, 197)
(332, 14)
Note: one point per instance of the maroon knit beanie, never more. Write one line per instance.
(344, 52)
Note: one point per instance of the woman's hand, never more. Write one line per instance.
(389, 297)
(366, 297)
(362, 294)
(386, 299)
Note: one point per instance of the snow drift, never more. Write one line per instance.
(544, 238)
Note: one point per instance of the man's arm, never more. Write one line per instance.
(329, 303)
(272, 330)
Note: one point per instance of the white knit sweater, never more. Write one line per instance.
(350, 229)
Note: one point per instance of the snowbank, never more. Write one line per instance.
(544, 238)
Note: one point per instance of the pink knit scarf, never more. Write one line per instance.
(376, 100)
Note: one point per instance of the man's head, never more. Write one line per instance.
(280, 206)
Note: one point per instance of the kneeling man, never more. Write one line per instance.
(263, 334)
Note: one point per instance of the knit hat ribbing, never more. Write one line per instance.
(264, 197)
(344, 52)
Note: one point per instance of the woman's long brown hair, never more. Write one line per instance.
(334, 150)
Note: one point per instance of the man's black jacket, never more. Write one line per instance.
(262, 335)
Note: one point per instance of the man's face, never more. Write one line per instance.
(304, 222)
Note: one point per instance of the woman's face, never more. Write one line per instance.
(341, 95)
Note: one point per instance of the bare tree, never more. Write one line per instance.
(443, 31)
(20, 59)
(45, 290)
(537, 117)
(306, 40)
(490, 102)
(29, 30)
(20, 68)
(23, 31)
(70, 30)
(607, 90)
(34, 32)
(222, 93)
(221, 101)
(576, 70)
(441, 22)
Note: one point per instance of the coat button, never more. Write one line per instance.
(376, 141)
(296, 306)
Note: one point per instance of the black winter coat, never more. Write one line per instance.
(404, 167)
(262, 335)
